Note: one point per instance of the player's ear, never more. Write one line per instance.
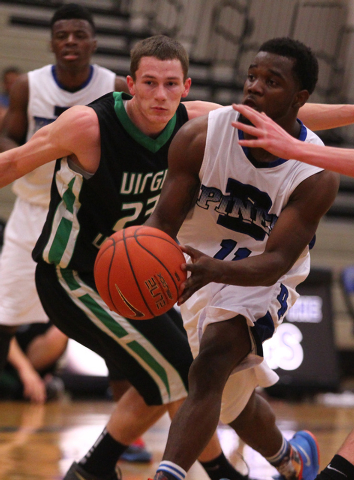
(187, 86)
(301, 98)
(130, 83)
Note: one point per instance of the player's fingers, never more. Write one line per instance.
(252, 115)
(190, 286)
(250, 143)
(246, 128)
(187, 293)
(192, 252)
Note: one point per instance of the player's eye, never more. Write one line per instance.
(272, 83)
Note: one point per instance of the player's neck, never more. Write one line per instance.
(72, 79)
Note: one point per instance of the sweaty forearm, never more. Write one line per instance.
(317, 116)
(8, 168)
(340, 160)
(259, 270)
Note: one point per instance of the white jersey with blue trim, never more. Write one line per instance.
(239, 200)
(47, 100)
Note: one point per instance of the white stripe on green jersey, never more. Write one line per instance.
(65, 226)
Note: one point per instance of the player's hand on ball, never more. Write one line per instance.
(202, 269)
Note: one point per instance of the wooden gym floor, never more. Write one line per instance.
(39, 442)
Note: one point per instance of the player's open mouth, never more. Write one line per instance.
(251, 103)
(70, 55)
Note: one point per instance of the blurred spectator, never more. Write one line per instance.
(9, 76)
(32, 361)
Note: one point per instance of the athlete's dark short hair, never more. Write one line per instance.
(305, 63)
(70, 11)
(161, 47)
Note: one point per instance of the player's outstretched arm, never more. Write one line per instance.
(197, 108)
(74, 133)
(321, 116)
(316, 116)
(270, 136)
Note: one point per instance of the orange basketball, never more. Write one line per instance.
(138, 272)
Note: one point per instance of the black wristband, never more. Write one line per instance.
(338, 469)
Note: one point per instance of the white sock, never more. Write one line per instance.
(172, 469)
(278, 457)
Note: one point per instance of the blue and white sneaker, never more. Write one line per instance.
(306, 445)
(304, 458)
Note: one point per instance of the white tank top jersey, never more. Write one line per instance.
(47, 100)
(239, 201)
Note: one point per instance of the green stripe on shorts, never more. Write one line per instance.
(165, 376)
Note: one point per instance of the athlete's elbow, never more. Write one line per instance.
(275, 274)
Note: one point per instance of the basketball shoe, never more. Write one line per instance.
(163, 477)
(304, 458)
(76, 472)
(136, 453)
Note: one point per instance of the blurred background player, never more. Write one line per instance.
(30, 372)
(9, 76)
(37, 98)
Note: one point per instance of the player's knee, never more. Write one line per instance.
(207, 375)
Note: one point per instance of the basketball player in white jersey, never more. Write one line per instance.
(266, 134)
(246, 219)
(37, 99)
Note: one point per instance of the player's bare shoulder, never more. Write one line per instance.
(317, 193)
(80, 115)
(193, 132)
(77, 130)
(78, 123)
(20, 91)
(187, 148)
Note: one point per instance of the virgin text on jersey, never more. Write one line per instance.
(136, 183)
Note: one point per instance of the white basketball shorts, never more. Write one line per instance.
(217, 302)
(19, 301)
